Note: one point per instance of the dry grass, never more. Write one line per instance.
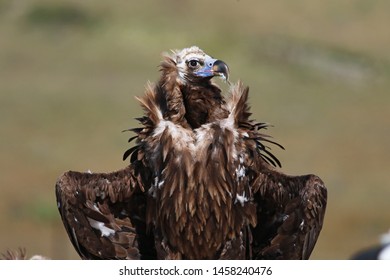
(318, 70)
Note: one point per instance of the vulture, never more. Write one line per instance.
(201, 182)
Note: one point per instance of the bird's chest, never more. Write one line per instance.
(196, 218)
(198, 190)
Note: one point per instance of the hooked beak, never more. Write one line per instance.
(220, 68)
(214, 67)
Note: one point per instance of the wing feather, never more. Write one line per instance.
(290, 214)
(289, 209)
(99, 212)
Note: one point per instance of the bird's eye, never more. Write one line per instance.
(193, 63)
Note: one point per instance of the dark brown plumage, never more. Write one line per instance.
(200, 184)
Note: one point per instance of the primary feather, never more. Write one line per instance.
(201, 183)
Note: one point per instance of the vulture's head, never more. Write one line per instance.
(193, 65)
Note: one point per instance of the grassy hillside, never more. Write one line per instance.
(317, 70)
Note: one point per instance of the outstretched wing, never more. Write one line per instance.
(289, 209)
(290, 214)
(104, 214)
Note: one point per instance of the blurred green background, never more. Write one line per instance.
(317, 70)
